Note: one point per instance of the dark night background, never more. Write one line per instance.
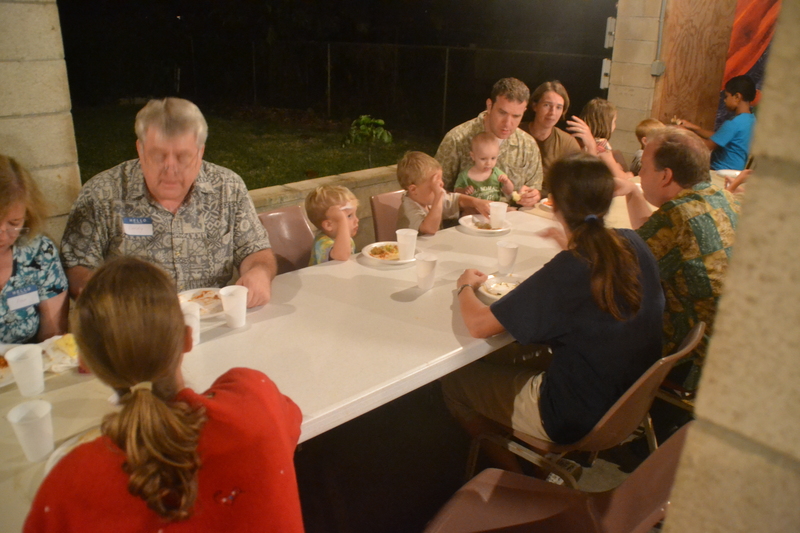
(387, 56)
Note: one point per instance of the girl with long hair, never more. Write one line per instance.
(597, 305)
(169, 458)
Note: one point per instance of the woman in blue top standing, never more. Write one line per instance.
(33, 301)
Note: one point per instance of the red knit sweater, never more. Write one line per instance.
(246, 481)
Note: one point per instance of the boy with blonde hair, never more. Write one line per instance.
(426, 203)
(332, 209)
(484, 179)
(645, 129)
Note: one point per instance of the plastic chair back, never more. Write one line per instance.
(384, 214)
(642, 499)
(627, 413)
(497, 500)
(290, 236)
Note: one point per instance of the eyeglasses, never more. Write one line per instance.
(182, 160)
(16, 232)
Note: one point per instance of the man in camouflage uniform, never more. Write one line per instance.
(519, 154)
(193, 218)
(691, 235)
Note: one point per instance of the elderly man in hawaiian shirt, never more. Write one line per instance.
(519, 154)
(193, 218)
(691, 234)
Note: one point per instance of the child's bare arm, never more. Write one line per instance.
(479, 205)
(341, 243)
(506, 184)
(433, 221)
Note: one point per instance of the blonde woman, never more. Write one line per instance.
(33, 301)
(171, 459)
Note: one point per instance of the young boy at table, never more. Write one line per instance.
(484, 179)
(332, 209)
(426, 204)
(730, 144)
(644, 129)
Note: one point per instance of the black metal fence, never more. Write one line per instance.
(426, 89)
(423, 88)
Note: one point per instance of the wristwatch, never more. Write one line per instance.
(462, 287)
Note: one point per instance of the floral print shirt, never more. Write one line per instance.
(36, 276)
(212, 232)
(692, 237)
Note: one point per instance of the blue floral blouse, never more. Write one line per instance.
(36, 276)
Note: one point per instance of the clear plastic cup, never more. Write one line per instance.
(407, 243)
(426, 270)
(506, 257)
(234, 303)
(33, 424)
(191, 315)
(497, 214)
(27, 367)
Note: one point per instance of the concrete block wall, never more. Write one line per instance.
(35, 119)
(363, 183)
(631, 87)
(740, 470)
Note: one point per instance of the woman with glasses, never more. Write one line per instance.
(33, 301)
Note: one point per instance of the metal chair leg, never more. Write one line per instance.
(650, 433)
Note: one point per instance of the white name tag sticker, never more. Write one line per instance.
(22, 298)
(139, 226)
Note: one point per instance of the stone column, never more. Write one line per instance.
(631, 87)
(35, 119)
(740, 469)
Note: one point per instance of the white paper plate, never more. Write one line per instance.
(387, 262)
(207, 309)
(467, 224)
(728, 173)
(496, 287)
(69, 445)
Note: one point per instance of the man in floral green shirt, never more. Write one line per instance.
(691, 235)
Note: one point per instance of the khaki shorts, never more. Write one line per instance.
(503, 387)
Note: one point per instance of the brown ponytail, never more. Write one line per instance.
(582, 188)
(131, 330)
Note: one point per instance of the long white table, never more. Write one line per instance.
(340, 339)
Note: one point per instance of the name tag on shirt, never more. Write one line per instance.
(22, 298)
(139, 226)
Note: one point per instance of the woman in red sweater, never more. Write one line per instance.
(170, 459)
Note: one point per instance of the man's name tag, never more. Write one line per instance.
(140, 226)
(22, 298)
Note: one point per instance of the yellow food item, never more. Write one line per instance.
(516, 196)
(67, 345)
(387, 252)
(483, 225)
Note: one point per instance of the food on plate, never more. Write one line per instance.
(67, 345)
(3, 362)
(387, 252)
(516, 196)
(208, 299)
(500, 288)
(547, 202)
(480, 222)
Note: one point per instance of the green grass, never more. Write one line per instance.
(265, 147)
